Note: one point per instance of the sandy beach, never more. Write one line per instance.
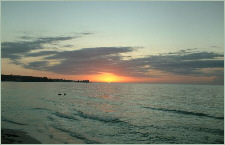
(10, 136)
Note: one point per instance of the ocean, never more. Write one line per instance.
(112, 113)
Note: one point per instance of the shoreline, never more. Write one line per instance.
(12, 136)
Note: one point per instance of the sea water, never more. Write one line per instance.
(114, 113)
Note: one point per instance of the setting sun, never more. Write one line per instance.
(109, 77)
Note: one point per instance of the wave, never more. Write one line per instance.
(185, 112)
(42, 109)
(50, 118)
(100, 118)
(10, 121)
(209, 130)
(116, 121)
(77, 135)
(64, 116)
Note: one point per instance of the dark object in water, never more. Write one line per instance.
(64, 93)
(59, 94)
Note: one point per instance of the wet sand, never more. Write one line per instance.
(10, 136)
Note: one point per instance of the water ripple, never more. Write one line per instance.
(64, 116)
(185, 112)
(77, 135)
(98, 118)
(10, 121)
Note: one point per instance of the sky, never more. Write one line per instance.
(114, 41)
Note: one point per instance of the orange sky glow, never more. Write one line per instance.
(106, 77)
(109, 77)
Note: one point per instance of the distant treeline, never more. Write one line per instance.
(18, 78)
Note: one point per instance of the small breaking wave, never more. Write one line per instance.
(64, 116)
(185, 112)
(98, 118)
(42, 109)
(77, 135)
(10, 121)
(209, 130)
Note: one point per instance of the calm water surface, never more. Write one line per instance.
(114, 113)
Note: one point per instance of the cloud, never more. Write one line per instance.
(68, 45)
(37, 65)
(90, 53)
(109, 59)
(89, 60)
(86, 33)
(215, 46)
(41, 53)
(14, 50)
(26, 37)
(94, 60)
(49, 40)
(185, 64)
